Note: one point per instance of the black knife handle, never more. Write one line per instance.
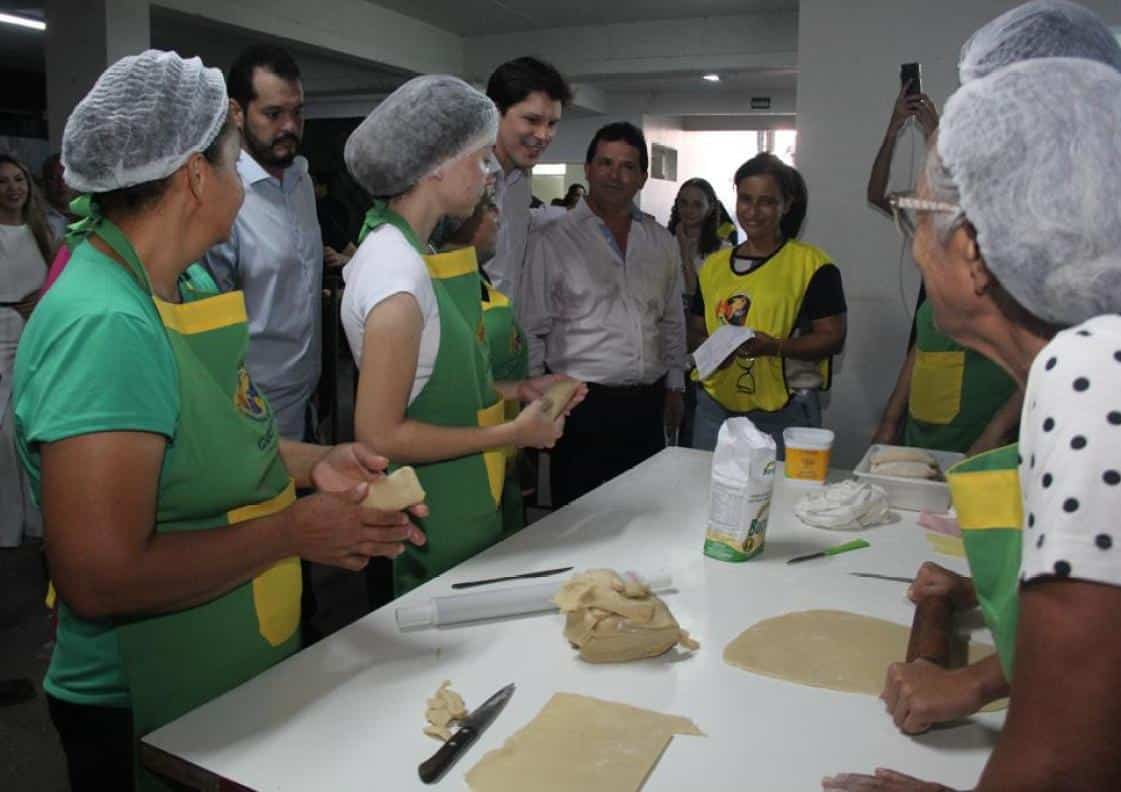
(433, 768)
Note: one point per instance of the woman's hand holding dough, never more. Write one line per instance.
(335, 529)
(534, 428)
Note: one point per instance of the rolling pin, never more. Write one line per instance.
(931, 629)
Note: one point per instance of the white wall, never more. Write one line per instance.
(849, 56)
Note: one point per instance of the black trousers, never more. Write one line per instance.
(614, 429)
(97, 742)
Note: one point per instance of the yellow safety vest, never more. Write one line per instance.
(768, 300)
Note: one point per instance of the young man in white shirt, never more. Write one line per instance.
(531, 95)
(602, 291)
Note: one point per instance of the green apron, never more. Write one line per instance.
(463, 493)
(955, 392)
(222, 467)
(986, 495)
(509, 359)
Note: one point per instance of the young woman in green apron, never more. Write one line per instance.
(173, 533)
(414, 321)
(509, 353)
(1016, 229)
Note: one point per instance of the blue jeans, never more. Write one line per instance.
(804, 409)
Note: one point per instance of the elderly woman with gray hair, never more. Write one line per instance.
(1016, 229)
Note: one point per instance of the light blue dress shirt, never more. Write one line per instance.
(275, 255)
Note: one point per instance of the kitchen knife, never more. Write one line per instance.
(856, 544)
(877, 576)
(432, 769)
(542, 573)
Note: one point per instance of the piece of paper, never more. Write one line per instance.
(726, 340)
(578, 742)
(835, 650)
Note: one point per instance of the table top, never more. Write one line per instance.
(347, 713)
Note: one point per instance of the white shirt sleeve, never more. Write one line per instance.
(386, 264)
(1070, 452)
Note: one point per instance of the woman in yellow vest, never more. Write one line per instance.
(1016, 228)
(788, 292)
(415, 320)
(172, 527)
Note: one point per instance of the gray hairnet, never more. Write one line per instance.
(1034, 151)
(143, 118)
(1039, 29)
(425, 123)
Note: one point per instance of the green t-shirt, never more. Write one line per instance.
(93, 358)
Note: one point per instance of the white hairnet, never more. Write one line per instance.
(1039, 29)
(1034, 152)
(426, 122)
(143, 118)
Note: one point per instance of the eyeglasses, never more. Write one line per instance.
(905, 205)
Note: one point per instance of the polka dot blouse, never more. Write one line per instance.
(1070, 452)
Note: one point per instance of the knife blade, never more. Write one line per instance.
(856, 544)
(877, 576)
(542, 573)
(433, 768)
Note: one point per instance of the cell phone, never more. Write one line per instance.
(911, 73)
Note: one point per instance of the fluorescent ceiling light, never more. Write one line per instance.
(549, 170)
(711, 78)
(12, 19)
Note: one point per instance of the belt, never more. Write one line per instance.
(659, 383)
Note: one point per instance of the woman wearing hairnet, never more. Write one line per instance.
(920, 693)
(415, 321)
(1017, 232)
(172, 527)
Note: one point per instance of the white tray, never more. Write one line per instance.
(911, 493)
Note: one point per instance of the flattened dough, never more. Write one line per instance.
(583, 743)
(829, 649)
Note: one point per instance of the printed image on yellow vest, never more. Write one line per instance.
(733, 310)
(247, 399)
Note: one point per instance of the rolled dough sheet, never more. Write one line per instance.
(832, 649)
(578, 742)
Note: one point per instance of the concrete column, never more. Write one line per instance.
(83, 38)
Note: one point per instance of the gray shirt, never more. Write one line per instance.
(275, 255)
(512, 193)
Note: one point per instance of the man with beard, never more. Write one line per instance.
(530, 95)
(602, 303)
(275, 251)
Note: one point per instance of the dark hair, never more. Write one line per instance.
(790, 184)
(50, 162)
(708, 242)
(33, 213)
(514, 80)
(626, 132)
(129, 201)
(239, 82)
(726, 219)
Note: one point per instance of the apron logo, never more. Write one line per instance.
(733, 311)
(247, 399)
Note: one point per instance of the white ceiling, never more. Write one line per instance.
(481, 17)
(754, 81)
